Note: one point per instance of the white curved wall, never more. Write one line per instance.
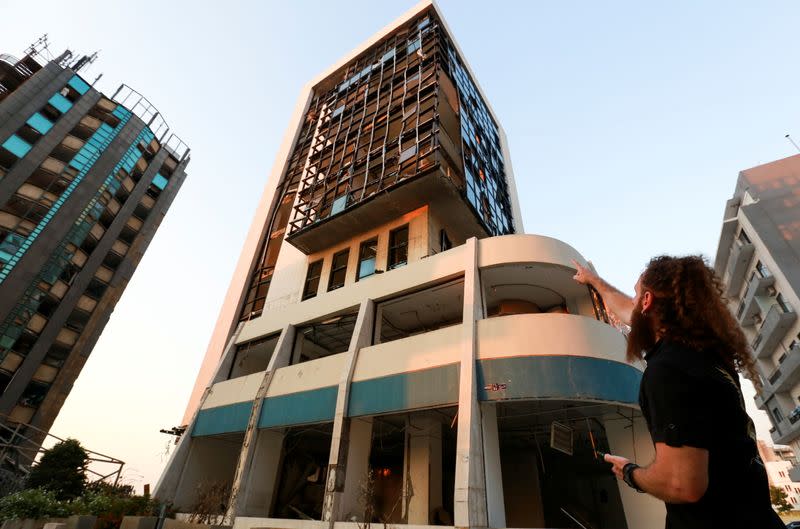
(549, 334)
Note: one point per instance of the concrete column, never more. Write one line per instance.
(632, 440)
(358, 451)
(337, 462)
(167, 485)
(260, 489)
(470, 486)
(423, 469)
(241, 479)
(496, 510)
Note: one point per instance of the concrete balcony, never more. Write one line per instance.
(787, 374)
(758, 287)
(741, 254)
(774, 328)
(786, 431)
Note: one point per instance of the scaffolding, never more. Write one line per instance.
(18, 452)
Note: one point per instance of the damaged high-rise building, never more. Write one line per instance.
(85, 181)
(393, 348)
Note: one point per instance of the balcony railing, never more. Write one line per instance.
(787, 373)
(787, 430)
(776, 324)
(749, 309)
(741, 254)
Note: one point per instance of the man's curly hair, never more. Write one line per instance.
(689, 307)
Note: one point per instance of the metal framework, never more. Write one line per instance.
(19, 452)
(403, 109)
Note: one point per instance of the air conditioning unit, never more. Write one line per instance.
(772, 291)
(561, 437)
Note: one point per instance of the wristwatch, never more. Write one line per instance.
(627, 476)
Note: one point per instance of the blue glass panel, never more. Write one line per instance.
(40, 123)
(61, 103)
(160, 182)
(79, 84)
(339, 204)
(366, 268)
(17, 145)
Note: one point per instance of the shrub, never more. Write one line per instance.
(110, 508)
(33, 503)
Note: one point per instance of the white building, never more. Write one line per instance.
(393, 348)
(778, 461)
(759, 260)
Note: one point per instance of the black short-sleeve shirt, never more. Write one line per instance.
(689, 399)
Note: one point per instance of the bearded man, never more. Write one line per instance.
(706, 469)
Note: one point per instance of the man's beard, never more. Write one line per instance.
(642, 336)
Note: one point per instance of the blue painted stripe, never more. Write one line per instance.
(560, 377)
(303, 407)
(437, 386)
(223, 419)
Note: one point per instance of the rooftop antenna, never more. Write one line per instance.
(33, 49)
(788, 137)
(84, 61)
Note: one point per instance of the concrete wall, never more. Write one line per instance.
(556, 334)
(641, 510)
(211, 460)
(423, 351)
(412, 276)
(235, 390)
(522, 492)
(262, 484)
(319, 373)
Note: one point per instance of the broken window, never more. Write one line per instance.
(312, 279)
(338, 269)
(423, 311)
(324, 337)
(367, 255)
(398, 247)
(253, 356)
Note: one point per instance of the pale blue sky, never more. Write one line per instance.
(627, 123)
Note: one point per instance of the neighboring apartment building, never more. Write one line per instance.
(392, 347)
(778, 461)
(85, 180)
(759, 260)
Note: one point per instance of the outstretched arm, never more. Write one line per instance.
(617, 302)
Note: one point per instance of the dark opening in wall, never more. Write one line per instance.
(253, 357)
(325, 337)
(303, 473)
(426, 310)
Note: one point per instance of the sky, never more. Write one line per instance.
(627, 122)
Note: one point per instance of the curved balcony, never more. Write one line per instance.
(554, 356)
(526, 249)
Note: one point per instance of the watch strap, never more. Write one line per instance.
(627, 476)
